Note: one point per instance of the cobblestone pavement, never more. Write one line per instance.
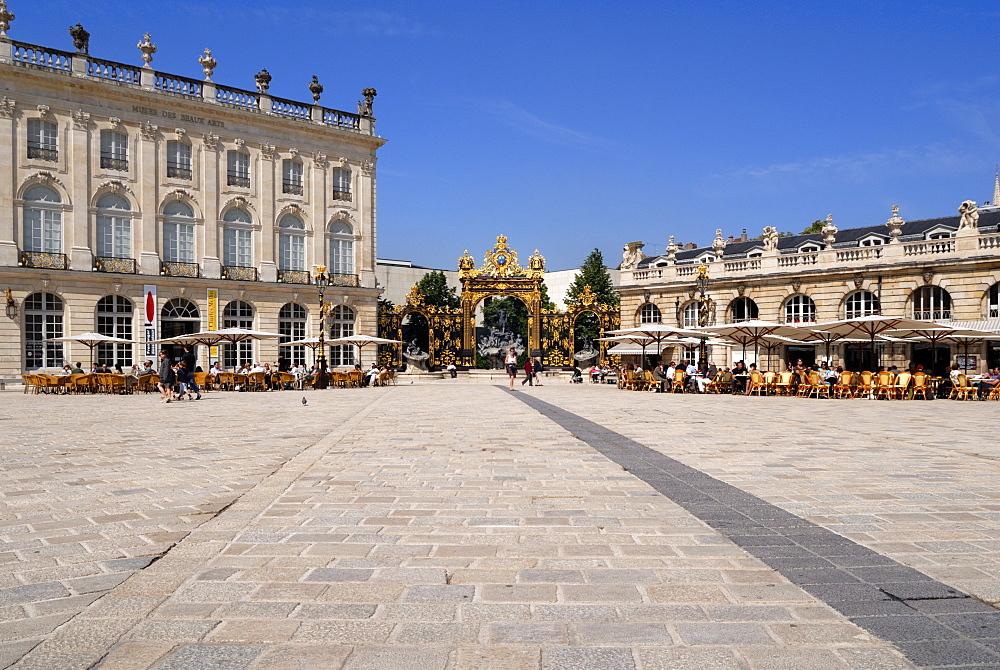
(451, 525)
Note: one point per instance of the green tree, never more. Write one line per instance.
(781, 233)
(434, 288)
(546, 300)
(814, 227)
(593, 273)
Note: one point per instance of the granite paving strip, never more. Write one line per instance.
(932, 623)
(453, 527)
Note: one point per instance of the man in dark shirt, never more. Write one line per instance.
(190, 360)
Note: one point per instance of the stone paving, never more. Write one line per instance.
(451, 525)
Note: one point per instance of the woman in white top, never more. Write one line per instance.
(511, 363)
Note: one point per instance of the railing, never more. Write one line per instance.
(106, 69)
(294, 189)
(171, 83)
(791, 260)
(989, 242)
(294, 277)
(178, 172)
(642, 275)
(177, 269)
(741, 266)
(36, 56)
(237, 97)
(41, 259)
(931, 314)
(290, 108)
(342, 195)
(687, 271)
(930, 247)
(861, 254)
(42, 153)
(332, 117)
(109, 163)
(343, 280)
(239, 273)
(120, 265)
(237, 180)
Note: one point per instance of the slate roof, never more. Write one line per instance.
(989, 221)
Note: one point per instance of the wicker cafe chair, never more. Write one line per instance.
(866, 386)
(902, 384)
(678, 382)
(994, 393)
(920, 385)
(770, 379)
(843, 388)
(148, 383)
(815, 386)
(355, 377)
(758, 383)
(30, 384)
(116, 384)
(784, 384)
(255, 382)
(962, 390)
(203, 380)
(723, 382)
(885, 385)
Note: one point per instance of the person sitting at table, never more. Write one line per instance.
(660, 376)
(827, 375)
(66, 371)
(701, 378)
(595, 374)
(215, 369)
(147, 369)
(370, 376)
(739, 381)
(78, 370)
(988, 382)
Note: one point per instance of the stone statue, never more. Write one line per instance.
(263, 80)
(770, 238)
(365, 108)
(970, 215)
(81, 38)
(718, 244)
(895, 225)
(672, 249)
(829, 231)
(631, 255)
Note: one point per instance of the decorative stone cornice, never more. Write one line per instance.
(368, 168)
(240, 202)
(7, 107)
(320, 161)
(211, 141)
(148, 130)
(114, 186)
(81, 119)
(267, 151)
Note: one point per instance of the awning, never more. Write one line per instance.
(992, 325)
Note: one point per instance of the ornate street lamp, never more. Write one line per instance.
(322, 281)
(703, 309)
(11, 306)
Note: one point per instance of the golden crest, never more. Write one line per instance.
(501, 261)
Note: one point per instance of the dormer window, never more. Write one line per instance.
(939, 236)
(809, 249)
(938, 233)
(871, 242)
(756, 253)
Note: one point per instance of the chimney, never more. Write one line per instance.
(743, 237)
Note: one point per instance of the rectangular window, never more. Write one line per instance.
(42, 140)
(238, 250)
(291, 177)
(178, 243)
(178, 160)
(238, 169)
(114, 237)
(292, 252)
(42, 231)
(114, 150)
(341, 184)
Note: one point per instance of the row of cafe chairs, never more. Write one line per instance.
(96, 382)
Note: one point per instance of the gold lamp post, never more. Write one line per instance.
(703, 309)
(322, 281)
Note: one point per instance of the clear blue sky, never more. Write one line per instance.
(574, 125)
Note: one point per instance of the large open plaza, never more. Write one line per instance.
(454, 524)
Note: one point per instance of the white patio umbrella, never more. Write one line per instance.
(932, 333)
(657, 332)
(91, 340)
(752, 332)
(870, 327)
(361, 341)
(967, 337)
(311, 342)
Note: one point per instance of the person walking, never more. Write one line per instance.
(167, 377)
(536, 367)
(510, 362)
(529, 373)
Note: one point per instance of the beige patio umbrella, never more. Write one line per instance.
(90, 340)
(753, 332)
(870, 327)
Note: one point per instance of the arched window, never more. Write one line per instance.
(341, 184)
(178, 233)
(341, 325)
(114, 319)
(743, 309)
(237, 314)
(179, 308)
(114, 227)
(42, 140)
(861, 303)
(800, 309)
(179, 316)
(178, 159)
(993, 302)
(238, 169)
(43, 319)
(931, 303)
(649, 313)
(291, 243)
(341, 248)
(42, 220)
(291, 177)
(237, 239)
(292, 327)
(691, 314)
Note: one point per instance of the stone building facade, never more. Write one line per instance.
(945, 269)
(120, 184)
